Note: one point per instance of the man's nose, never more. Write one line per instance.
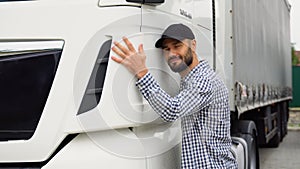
(172, 53)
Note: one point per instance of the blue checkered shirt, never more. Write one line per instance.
(202, 104)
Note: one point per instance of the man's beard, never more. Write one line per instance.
(187, 60)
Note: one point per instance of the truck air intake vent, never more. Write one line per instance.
(93, 91)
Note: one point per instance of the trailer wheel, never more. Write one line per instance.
(275, 141)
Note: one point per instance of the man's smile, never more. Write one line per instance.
(174, 59)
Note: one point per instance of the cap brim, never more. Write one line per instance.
(159, 42)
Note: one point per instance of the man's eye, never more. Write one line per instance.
(178, 45)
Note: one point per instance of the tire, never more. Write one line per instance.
(275, 141)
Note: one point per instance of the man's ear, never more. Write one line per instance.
(193, 46)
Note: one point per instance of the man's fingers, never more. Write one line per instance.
(127, 54)
(118, 60)
(118, 52)
(141, 49)
(121, 48)
(129, 44)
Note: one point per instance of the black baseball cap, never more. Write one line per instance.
(175, 31)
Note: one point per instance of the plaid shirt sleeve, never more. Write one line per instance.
(191, 99)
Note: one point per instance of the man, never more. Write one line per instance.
(202, 103)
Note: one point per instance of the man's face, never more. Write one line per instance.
(178, 54)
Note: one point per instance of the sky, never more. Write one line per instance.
(295, 23)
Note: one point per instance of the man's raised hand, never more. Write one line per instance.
(134, 61)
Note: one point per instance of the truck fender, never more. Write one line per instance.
(243, 127)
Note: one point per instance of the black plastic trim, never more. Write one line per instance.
(94, 88)
(214, 35)
(146, 1)
(26, 80)
(38, 165)
(14, 0)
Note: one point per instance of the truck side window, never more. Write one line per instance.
(94, 89)
(25, 82)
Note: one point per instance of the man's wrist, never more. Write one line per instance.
(142, 73)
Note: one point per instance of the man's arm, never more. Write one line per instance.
(190, 100)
